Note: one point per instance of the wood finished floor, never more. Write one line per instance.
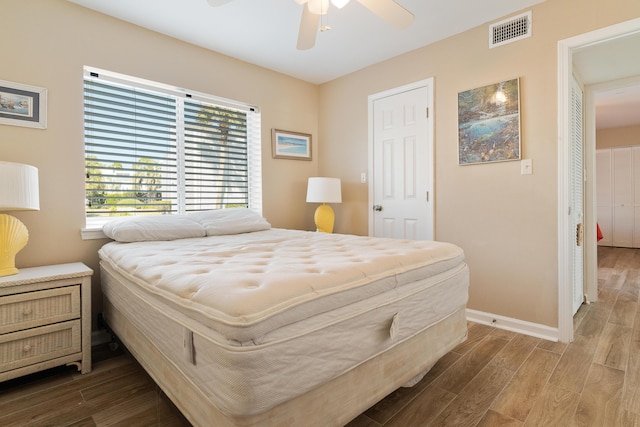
(495, 378)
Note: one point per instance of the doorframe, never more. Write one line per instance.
(565, 69)
(428, 83)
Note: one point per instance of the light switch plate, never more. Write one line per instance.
(526, 167)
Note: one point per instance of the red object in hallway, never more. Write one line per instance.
(599, 232)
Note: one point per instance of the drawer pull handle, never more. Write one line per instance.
(27, 312)
(26, 348)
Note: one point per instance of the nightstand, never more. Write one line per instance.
(45, 319)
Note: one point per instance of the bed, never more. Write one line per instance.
(242, 324)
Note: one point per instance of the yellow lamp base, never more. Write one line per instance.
(324, 218)
(13, 237)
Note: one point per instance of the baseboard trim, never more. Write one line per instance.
(514, 325)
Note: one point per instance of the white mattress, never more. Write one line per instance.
(276, 313)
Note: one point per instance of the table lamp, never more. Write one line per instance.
(324, 190)
(18, 192)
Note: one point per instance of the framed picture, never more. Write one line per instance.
(23, 105)
(290, 145)
(489, 123)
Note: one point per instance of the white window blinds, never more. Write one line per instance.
(215, 157)
(155, 150)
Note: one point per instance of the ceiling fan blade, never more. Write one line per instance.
(308, 29)
(390, 11)
(216, 3)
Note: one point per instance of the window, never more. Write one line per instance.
(151, 149)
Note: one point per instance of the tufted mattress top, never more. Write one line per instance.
(246, 285)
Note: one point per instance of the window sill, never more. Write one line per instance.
(92, 234)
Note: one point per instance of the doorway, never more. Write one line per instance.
(566, 49)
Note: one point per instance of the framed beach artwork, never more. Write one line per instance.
(489, 123)
(23, 105)
(290, 145)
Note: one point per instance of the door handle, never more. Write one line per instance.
(579, 234)
(377, 208)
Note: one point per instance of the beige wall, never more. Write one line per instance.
(618, 137)
(46, 43)
(506, 222)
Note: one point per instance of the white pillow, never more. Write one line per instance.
(230, 221)
(160, 227)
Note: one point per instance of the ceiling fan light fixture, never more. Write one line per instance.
(339, 3)
(318, 7)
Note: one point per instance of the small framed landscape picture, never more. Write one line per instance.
(290, 145)
(23, 105)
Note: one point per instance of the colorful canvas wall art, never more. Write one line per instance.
(489, 123)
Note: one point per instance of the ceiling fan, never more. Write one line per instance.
(314, 10)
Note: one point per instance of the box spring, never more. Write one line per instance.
(346, 362)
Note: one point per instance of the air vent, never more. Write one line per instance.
(510, 30)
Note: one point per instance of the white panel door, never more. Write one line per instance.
(603, 195)
(402, 166)
(623, 203)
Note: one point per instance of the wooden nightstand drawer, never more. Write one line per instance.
(35, 345)
(45, 319)
(31, 309)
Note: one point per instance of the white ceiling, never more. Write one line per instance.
(616, 63)
(264, 32)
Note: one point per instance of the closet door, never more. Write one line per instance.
(636, 196)
(603, 195)
(623, 197)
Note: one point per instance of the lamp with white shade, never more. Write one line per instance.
(324, 190)
(18, 192)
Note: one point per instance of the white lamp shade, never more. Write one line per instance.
(324, 190)
(18, 187)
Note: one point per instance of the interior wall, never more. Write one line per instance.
(618, 137)
(47, 43)
(506, 222)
